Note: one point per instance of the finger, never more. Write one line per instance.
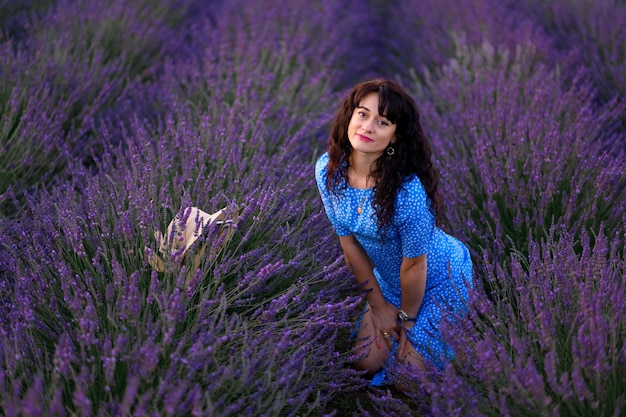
(379, 336)
(401, 345)
(386, 337)
(396, 333)
(387, 341)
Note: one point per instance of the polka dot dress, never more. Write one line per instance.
(412, 233)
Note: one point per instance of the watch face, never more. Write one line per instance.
(402, 315)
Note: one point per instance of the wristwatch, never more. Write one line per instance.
(405, 317)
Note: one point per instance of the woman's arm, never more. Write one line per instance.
(359, 264)
(413, 285)
(384, 315)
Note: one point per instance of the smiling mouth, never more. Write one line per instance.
(364, 138)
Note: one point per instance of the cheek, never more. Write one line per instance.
(351, 125)
(392, 135)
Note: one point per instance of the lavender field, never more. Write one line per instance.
(115, 116)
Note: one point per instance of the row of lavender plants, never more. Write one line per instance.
(539, 196)
(67, 66)
(223, 114)
(116, 117)
(525, 109)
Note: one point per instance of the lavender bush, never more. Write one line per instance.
(537, 173)
(275, 69)
(74, 65)
(249, 331)
(552, 344)
(425, 34)
(522, 153)
(588, 33)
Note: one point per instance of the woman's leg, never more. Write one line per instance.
(365, 344)
(410, 356)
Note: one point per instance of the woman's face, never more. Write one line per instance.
(368, 131)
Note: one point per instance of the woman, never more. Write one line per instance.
(379, 190)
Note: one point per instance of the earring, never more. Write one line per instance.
(390, 151)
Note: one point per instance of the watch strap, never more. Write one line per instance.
(405, 317)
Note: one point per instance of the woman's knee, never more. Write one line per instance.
(369, 364)
(371, 357)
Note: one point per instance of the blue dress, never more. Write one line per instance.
(412, 233)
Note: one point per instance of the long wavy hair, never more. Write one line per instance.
(412, 150)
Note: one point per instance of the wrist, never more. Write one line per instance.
(404, 318)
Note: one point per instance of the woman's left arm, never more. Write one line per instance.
(413, 286)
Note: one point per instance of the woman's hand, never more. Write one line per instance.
(385, 321)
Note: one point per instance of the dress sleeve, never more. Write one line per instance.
(330, 201)
(413, 219)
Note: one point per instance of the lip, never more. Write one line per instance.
(364, 138)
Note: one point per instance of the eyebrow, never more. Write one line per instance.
(365, 108)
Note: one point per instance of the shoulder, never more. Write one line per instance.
(412, 202)
(412, 187)
(322, 162)
(412, 195)
(320, 166)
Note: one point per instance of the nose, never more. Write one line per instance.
(368, 125)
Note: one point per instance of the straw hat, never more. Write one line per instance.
(181, 236)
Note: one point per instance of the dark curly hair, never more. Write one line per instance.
(412, 150)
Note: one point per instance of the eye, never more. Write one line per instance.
(382, 123)
(361, 114)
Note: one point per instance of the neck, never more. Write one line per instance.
(361, 166)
